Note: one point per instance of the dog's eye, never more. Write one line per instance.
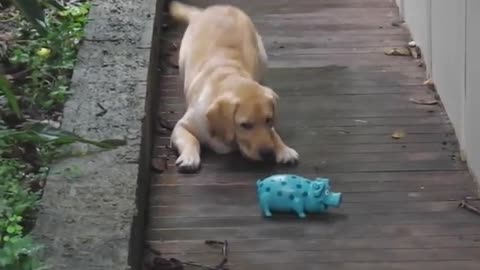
(246, 125)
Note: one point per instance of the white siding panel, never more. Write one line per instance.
(472, 111)
(416, 14)
(448, 58)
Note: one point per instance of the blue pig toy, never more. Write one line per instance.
(286, 193)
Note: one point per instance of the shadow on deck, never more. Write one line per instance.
(341, 100)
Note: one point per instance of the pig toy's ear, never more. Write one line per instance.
(318, 188)
(325, 180)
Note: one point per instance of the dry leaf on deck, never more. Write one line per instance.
(398, 134)
(426, 100)
(398, 52)
(398, 23)
(430, 84)
(415, 52)
(159, 164)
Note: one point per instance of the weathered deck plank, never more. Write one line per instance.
(341, 99)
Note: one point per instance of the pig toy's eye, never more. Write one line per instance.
(327, 192)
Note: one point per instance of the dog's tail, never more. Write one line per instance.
(182, 12)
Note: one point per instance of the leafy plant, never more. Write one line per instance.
(33, 11)
(15, 200)
(40, 133)
(50, 58)
(7, 91)
(45, 56)
(18, 254)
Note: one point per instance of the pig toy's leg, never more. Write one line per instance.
(298, 207)
(264, 205)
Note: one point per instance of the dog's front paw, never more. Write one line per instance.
(188, 162)
(287, 155)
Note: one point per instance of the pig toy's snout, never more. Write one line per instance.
(334, 199)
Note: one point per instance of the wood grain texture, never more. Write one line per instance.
(341, 98)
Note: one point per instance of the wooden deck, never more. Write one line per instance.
(341, 100)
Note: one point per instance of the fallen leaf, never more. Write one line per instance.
(45, 133)
(361, 121)
(159, 164)
(427, 100)
(398, 23)
(174, 45)
(430, 84)
(412, 44)
(398, 52)
(398, 134)
(164, 124)
(415, 52)
(51, 123)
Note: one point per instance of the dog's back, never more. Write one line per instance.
(215, 36)
(222, 59)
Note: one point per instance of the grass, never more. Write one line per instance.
(37, 66)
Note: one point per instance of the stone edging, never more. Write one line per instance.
(89, 202)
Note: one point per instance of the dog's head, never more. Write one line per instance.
(246, 117)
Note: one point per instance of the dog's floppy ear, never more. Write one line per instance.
(221, 118)
(273, 97)
(271, 94)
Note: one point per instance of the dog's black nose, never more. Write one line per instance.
(267, 154)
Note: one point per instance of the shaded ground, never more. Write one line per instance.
(342, 99)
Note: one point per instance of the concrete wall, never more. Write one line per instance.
(446, 32)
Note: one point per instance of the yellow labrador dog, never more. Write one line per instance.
(222, 61)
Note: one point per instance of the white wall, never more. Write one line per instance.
(448, 58)
(416, 14)
(447, 32)
(472, 108)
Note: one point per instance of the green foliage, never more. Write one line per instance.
(6, 89)
(19, 254)
(34, 12)
(45, 135)
(50, 58)
(15, 201)
(46, 53)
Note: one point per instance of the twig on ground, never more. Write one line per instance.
(160, 263)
